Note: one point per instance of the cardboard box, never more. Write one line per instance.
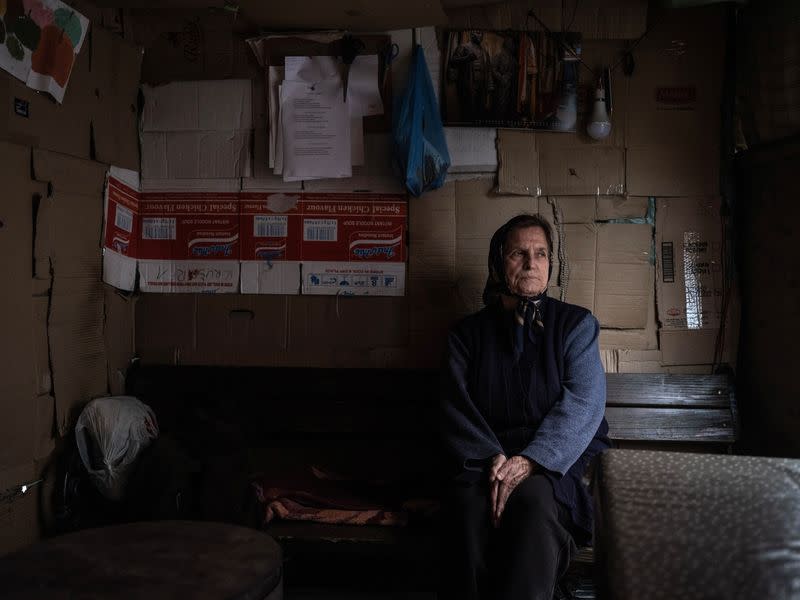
(673, 116)
(353, 244)
(689, 261)
(270, 242)
(197, 129)
(121, 232)
(189, 242)
(175, 241)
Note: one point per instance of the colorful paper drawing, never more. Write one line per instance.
(39, 41)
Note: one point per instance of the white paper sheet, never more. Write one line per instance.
(278, 166)
(362, 87)
(316, 130)
(276, 76)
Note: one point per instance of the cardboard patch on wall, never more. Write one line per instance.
(68, 229)
(689, 261)
(536, 164)
(584, 170)
(17, 356)
(517, 163)
(197, 129)
(432, 236)
(189, 46)
(677, 88)
(608, 271)
(33, 119)
(116, 71)
(590, 209)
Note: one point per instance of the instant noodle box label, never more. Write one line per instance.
(256, 242)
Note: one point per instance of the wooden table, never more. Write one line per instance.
(184, 560)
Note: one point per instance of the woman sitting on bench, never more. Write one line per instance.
(523, 416)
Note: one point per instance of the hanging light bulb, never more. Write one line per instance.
(599, 122)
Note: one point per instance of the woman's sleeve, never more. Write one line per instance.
(569, 426)
(468, 440)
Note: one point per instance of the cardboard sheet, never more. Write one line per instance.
(689, 252)
(68, 228)
(197, 129)
(608, 271)
(17, 383)
(673, 117)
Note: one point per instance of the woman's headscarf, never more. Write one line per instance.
(496, 283)
(528, 309)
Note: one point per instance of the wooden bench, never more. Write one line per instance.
(374, 418)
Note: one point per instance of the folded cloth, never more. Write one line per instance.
(292, 510)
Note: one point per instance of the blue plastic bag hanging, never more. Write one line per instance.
(420, 149)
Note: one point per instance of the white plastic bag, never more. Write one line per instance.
(110, 434)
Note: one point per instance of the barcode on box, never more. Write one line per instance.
(667, 262)
(123, 219)
(158, 228)
(319, 230)
(270, 226)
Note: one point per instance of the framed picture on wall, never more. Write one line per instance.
(517, 79)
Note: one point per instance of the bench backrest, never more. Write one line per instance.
(382, 404)
(671, 408)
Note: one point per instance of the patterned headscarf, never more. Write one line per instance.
(528, 310)
(496, 283)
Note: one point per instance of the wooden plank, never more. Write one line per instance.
(657, 389)
(671, 424)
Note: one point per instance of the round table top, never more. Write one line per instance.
(155, 559)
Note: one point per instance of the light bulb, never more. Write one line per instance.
(599, 124)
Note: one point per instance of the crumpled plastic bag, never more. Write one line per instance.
(110, 434)
(420, 148)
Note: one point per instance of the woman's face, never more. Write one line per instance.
(526, 260)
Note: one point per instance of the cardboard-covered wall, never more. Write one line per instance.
(600, 197)
(54, 308)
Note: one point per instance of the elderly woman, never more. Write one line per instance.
(522, 418)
